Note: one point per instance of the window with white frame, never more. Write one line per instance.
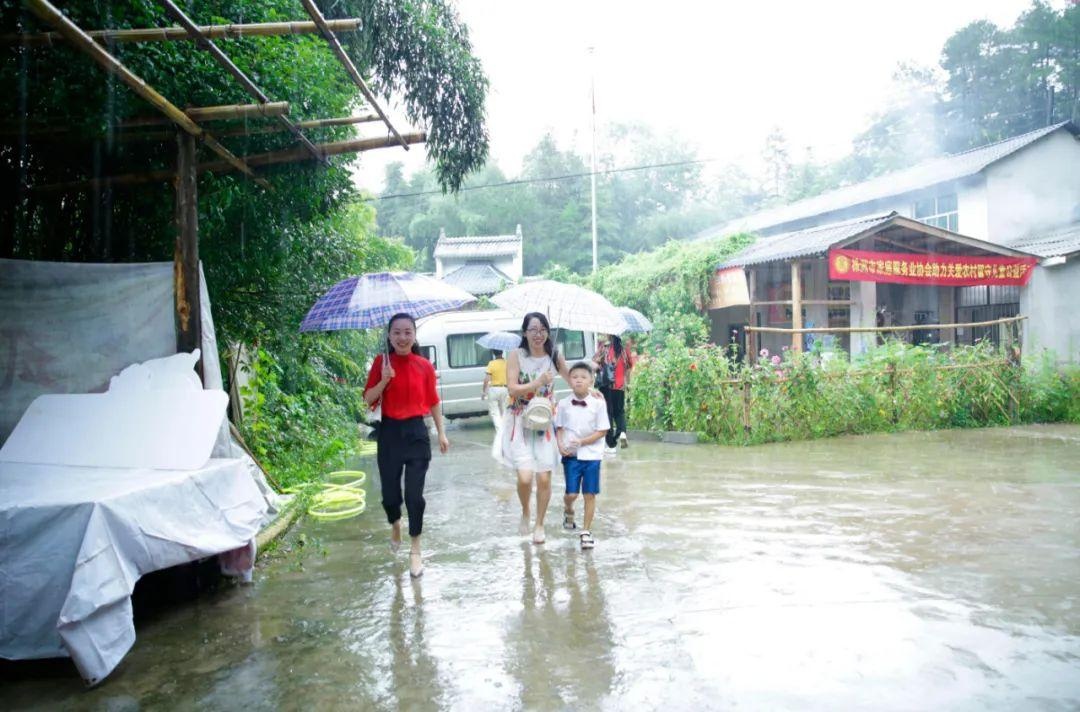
(940, 211)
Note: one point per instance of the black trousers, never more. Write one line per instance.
(616, 413)
(404, 450)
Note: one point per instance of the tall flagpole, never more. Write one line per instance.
(592, 173)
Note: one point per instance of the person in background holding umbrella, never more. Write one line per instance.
(495, 393)
(403, 382)
(615, 363)
(530, 373)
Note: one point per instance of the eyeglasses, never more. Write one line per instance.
(535, 331)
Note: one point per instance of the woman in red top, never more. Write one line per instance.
(406, 386)
(618, 362)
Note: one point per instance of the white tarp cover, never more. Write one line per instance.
(68, 328)
(165, 430)
(73, 542)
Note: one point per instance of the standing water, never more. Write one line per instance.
(908, 571)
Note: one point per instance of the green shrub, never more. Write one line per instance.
(796, 396)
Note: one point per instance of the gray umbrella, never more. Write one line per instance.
(636, 322)
(500, 340)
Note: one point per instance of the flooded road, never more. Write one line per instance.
(890, 572)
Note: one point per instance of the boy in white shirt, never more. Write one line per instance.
(581, 422)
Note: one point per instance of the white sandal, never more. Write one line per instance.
(587, 541)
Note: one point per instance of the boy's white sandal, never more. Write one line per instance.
(568, 522)
(587, 541)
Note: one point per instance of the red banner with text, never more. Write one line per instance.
(948, 270)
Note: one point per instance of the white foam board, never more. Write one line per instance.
(165, 430)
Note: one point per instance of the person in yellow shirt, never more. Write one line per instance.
(494, 391)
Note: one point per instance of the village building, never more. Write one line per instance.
(982, 235)
(481, 265)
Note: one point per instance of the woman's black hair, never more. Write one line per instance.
(401, 315)
(616, 346)
(549, 346)
(497, 353)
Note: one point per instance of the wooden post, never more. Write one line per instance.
(186, 254)
(751, 288)
(796, 306)
(746, 405)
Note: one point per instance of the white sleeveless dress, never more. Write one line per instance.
(524, 449)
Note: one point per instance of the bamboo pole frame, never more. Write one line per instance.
(238, 112)
(169, 135)
(74, 34)
(353, 72)
(290, 155)
(249, 86)
(172, 34)
(224, 112)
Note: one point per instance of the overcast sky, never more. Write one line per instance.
(720, 75)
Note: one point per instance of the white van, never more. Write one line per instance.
(448, 340)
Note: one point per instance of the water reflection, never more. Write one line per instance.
(413, 670)
(909, 571)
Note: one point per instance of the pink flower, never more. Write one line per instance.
(764, 353)
(775, 360)
(785, 348)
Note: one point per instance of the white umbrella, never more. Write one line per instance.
(566, 306)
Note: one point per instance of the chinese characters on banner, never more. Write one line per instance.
(948, 270)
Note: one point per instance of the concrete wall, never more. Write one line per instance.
(972, 209)
(1034, 189)
(1055, 324)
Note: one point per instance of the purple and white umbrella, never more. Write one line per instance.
(368, 301)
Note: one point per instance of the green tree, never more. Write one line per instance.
(1004, 82)
(267, 253)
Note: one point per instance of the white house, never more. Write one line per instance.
(480, 265)
(1009, 199)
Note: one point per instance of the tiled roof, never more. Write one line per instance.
(481, 246)
(818, 240)
(803, 243)
(924, 175)
(1060, 241)
(478, 278)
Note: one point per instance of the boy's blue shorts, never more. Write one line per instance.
(581, 475)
